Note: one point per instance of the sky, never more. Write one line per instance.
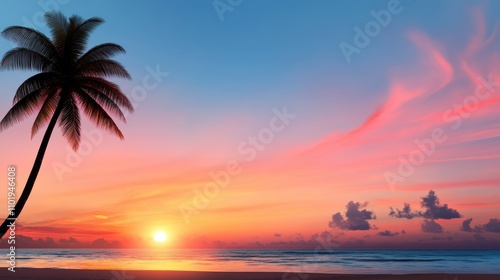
(276, 124)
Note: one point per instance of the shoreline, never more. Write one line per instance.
(91, 274)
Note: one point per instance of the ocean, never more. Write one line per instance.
(288, 261)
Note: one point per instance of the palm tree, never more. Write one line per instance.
(68, 80)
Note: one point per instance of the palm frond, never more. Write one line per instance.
(35, 82)
(99, 52)
(25, 59)
(104, 101)
(77, 35)
(98, 115)
(108, 88)
(31, 39)
(103, 68)
(69, 121)
(57, 23)
(22, 109)
(46, 111)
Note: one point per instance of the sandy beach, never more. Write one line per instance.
(70, 274)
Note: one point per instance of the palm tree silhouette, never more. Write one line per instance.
(69, 80)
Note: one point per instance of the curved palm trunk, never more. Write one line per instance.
(34, 171)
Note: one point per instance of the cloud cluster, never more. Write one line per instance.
(430, 226)
(356, 219)
(405, 213)
(493, 225)
(387, 233)
(433, 210)
(70, 242)
(466, 226)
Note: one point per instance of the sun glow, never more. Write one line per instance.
(160, 236)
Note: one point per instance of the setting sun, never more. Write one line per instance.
(160, 236)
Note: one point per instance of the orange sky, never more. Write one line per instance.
(125, 191)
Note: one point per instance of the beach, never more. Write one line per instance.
(80, 274)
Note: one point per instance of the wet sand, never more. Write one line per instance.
(73, 274)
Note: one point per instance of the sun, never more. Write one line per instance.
(160, 236)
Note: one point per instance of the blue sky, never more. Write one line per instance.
(263, 52)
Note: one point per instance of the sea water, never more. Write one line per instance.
(287, 261)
